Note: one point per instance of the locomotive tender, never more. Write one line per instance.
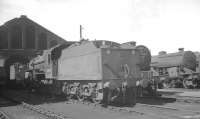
(176, 69)
(84, 68)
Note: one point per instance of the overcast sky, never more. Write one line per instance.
(159, 24)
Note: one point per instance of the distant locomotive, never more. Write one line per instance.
(176, 69)
(12, 74)
(2, 72)
(84, 68)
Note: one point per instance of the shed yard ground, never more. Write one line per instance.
(89, 111)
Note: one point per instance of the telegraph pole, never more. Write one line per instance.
(81, 28)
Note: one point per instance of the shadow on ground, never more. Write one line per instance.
(17, 96)
(167, 93)
(155, 100)
(35, 99)
(6, 103)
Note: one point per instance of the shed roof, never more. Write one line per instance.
(25, 19)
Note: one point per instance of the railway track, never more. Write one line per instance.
(46, 114)
(3, 115)
(184, 99)
(49, 114)
(181, 95)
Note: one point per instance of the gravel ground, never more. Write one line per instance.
(84, 111)
(173, 109)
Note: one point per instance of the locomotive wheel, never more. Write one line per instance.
(95, 101)
(166, 85)
(169, 84)
(189, 83)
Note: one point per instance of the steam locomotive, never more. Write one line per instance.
(84, 68)
(176, 69)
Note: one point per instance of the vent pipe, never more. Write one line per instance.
(181, 49)
(162, 53)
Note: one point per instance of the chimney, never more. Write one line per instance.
(181, 49)
(23, 16)
(132, 43)
(162, 53)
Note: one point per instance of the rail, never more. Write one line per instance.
(37, 109)
(3, 115)
(44, 111)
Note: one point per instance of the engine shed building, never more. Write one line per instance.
(21, 39)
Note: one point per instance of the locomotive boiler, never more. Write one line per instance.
(84, 68)
(176, 69)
